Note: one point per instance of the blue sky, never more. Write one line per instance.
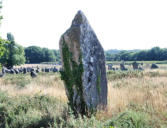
(118, 24)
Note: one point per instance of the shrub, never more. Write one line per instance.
(131, 119)
(27, 112)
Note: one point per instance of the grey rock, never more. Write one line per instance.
(122, 67)
(55, 69)
(24, 70)
(6, 71)
(37, 70)
(87, 53)
(110, 66)
(47, 69)
(3, 70)
(33, 74)
(32, 70)
(28, 69)
(154, 66)
(43, 70)
(12, 71)
(20, 70)
(135, 65)
(140, 68)
(16, 71)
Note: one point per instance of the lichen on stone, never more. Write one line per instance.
(72, 76)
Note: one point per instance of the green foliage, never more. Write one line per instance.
(3, 44)
(44, 111)
(33, 54)
(14, 53)
(80, 122)
(40, 111)
(19, 80)
(36, 54)
(35, 111)
(48, 55)
(72, 76)
(155, 53)
(57, 55)
(131, 119)
(98, 83)
(27, 112)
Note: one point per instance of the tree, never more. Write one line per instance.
(57, 55)
(48, 55)
(163, 55)
(3, 44)
(154, 53)
(142, 55)
(14, 54)
(33, 54)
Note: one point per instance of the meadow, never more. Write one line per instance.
(136, 99)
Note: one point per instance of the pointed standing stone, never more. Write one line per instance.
(84, 71)
(135, 65)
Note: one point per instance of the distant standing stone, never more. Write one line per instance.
(110, 66)
(154, 66)
(135, 65)
(122, 67)
(47, 70)
(33, 74)
(84, 71)
(24, 70)
(55, 69)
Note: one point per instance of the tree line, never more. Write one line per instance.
(12, 53)
(153, 54)
(35, 54)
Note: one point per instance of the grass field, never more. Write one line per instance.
(136, 99)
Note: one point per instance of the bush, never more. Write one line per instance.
(131, 119)
(27, 112)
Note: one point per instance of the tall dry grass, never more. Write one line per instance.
(147, 93)
(44, 84)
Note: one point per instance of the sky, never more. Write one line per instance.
(118, 24)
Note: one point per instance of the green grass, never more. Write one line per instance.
(20, 80)
(131, 119)
(48, 112)
(27, 112)
(35, 111)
